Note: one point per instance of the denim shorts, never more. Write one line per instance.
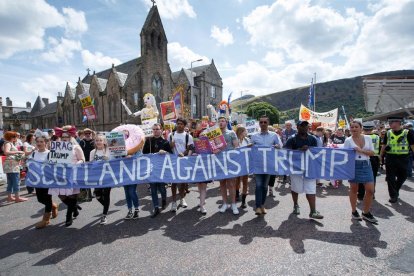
(363, 172)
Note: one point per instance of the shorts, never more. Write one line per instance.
(302, 185)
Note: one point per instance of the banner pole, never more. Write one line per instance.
(314, 92)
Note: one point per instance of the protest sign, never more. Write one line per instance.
(178, 99)
(202, 145)
(90, 112)
(251, 126)
(61, 152)
(116, 144)
(85, 100)
(327, 119)
(168, 168)
(168, 111)
(215, 137)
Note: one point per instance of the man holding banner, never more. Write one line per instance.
(299, 183)
(264, 138)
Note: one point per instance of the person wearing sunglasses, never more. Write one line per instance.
(396, 149)
(270, 139)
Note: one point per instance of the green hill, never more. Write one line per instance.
(329, 95)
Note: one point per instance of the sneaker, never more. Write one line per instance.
(259, 211)
(369, 217)
(135, 214)
(103, 220)
(264, 212)
(156, 212)
(183, 203)
(203, 210)
(234, 209)
(173, 206)
(315, 215)
(130, 215)
(356, 216)
(393, 200)
(163, 204)
(223, 208)
(296, 210)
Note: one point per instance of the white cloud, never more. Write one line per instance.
(97, 61)
(171, 9)
(302, 30)
(274, 59)
(223, 37)
(75, 22)
(61, 51)
(181, 57)
(46, 86)
(23, 25)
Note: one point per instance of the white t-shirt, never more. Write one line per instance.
(350, 144)
(40, 156)
(179, 139)
(28, 147)
(99, 155)
(244, 142)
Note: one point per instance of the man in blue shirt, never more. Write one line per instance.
(300, 184)
(270, 139)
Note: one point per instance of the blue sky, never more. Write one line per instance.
(259, 47)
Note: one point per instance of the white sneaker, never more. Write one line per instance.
(183, 203)
(223, 208)
(203, 210)
(173, 206)
(234, 209)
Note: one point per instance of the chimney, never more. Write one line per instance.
(9, 102)
(60, 97)
(46, 101)
(28, 105)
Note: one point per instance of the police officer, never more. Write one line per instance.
(396, 149)
(368, 128)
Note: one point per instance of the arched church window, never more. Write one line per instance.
(156, 85)
(159, 42)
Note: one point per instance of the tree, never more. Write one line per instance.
(255, 110)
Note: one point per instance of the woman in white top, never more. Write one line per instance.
(241, 134)
(101, 153)
(41, 154)
(364, 148)
(69, 195)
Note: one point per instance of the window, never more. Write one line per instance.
(194, 106)
(213, 92)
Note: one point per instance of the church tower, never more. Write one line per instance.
(156, 72)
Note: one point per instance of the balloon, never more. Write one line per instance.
(134, 137)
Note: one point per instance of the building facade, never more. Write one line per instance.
(149, 73)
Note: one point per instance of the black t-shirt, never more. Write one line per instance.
(87, 147)
(338, 140)
(410, 136)
(296, 142)
(154, 145)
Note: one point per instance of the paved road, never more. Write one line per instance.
(188, 243)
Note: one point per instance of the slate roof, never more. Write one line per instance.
(128, 67)
(48, 109)
(38, 105)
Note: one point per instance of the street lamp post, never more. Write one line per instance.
(191, 86)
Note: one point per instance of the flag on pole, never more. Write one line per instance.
(311, 97)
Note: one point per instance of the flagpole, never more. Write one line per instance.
(314, 92)
(346, 118)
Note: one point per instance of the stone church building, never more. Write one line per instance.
(131, 80)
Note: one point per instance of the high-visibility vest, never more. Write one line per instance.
(376, 142)
(398, 143)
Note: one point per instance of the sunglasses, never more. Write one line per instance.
(263, 122)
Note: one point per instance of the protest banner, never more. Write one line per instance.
(168, 168)
(116, 144)
(327, 119)
(168, 111)
(251, 126)
(178, 99)
(202, 145)
(61, 152)
(85, 100)
(90, 112)
(215, 137)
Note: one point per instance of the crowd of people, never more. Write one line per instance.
(375, 147)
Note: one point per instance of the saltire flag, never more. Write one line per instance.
(311, 97)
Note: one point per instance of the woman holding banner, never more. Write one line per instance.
(241, 134)
(364, 148)
(101, 153)
(69, 196)
(41, 154)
